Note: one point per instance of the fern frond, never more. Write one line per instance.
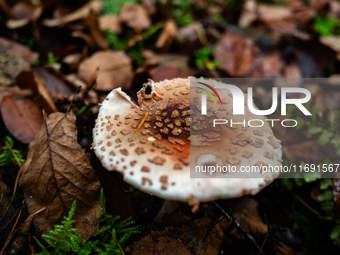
(6, 157)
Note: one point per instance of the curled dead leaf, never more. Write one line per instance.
(22, 118)
(248, 14)
(56, 172)
(135, 17)
(167, 35)
(114, 70)
(24, 13)
(28, 80)
(97, 35)
(110, 23)
(235, 54)
(81, 13)
(270, 13)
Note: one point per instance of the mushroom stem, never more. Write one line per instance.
(238, 227)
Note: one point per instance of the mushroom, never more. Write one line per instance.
(152, 144)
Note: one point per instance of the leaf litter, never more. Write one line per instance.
(56, 172)
(100, 47)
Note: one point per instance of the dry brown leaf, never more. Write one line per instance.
(248, 14)
(246, 213)
(167, 35)
(110, 23)
(72, 60)
(158, 243)
(87, 38)
(115, 70)
(166, 66)
(22, 118)
(97, 35)
(14, 91)
(24, 14)
(8, 212)
(267, 67)
(332, 42)
(235, 54)
(19, 48)
(81, 13)
(200, 237)
(53, 82)
(280, 248)
(56, 172)
(269, 13)
(28, 80)
(11, 64)
(309, 150)
(135, 17)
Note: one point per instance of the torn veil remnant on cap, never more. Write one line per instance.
(149, 143)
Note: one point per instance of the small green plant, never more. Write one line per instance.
(325, 130)
(115, 42)
(64, 238)
(114, 6)
(106, 241)
(182, 10)
(51, 59)
(113, 235)
(6, 157)
(321, 128)
(204, 58)
(327, 26)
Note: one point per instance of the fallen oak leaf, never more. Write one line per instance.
(22, 118)
(57, 172)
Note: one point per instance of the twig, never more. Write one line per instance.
(306, 205)
(238, 227)
(13, 232)
(67, 111)
(10, 234)
(20, 169)
(266, 237)
(116, 242)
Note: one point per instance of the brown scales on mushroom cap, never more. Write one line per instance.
(156, 156)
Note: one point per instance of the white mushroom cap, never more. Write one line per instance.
(156, 157)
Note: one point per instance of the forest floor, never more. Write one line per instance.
(60, 57)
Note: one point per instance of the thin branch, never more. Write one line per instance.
(10, 234)
(21, 172)
(238, 227)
